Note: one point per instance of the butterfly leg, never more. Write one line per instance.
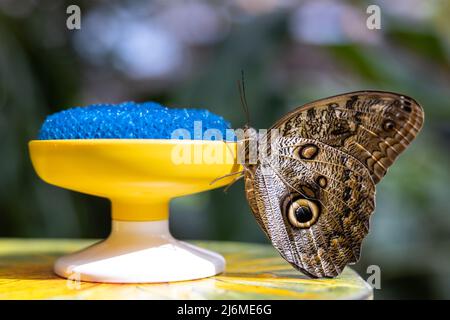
(226, 176)
(233, 182)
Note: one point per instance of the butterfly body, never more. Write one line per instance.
(312, 186)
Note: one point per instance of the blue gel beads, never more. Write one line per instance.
(130, 120)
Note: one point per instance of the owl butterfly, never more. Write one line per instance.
(312, 188)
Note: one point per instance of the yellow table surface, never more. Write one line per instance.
(253, 271)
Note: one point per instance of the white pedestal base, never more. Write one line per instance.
(140, 252)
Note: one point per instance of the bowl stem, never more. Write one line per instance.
(150, 209)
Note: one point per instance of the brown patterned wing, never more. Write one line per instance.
(315, 211)
(314, 189)
(372, 126)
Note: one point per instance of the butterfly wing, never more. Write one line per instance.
(339, 193)
(372, 126)
(313, 192)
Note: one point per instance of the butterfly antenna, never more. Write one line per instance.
(243, 97)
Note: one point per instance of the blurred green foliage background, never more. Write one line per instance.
(190, 53)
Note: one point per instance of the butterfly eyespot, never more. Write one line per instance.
(308, 151)
(322, 181)
(333, 105)
(302, 213)
(388, 125)
(407, 108)
(406, 105)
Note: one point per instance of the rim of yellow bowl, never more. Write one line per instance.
(140, 141)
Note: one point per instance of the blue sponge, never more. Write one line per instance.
(129, 120)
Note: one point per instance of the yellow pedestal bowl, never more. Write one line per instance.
(140, 177)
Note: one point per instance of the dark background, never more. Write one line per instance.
(190, 53)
